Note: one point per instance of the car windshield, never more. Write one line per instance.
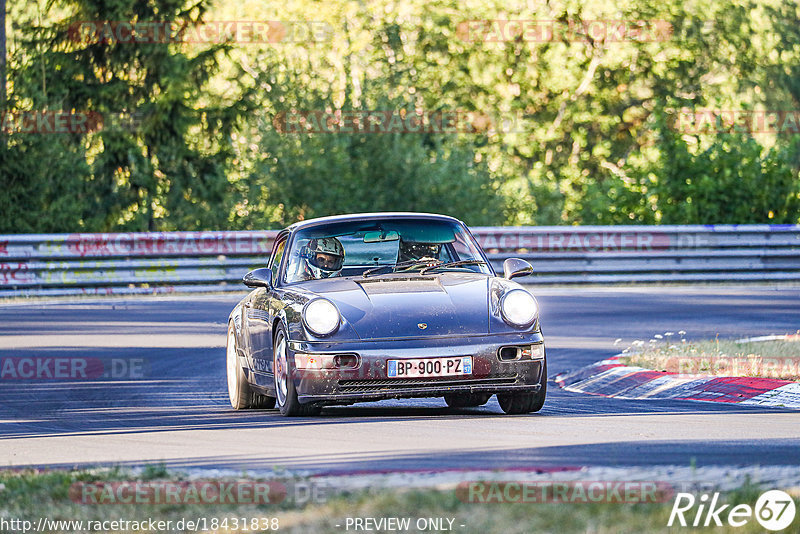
(375, 247)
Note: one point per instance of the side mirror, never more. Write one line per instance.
(258, 278)
(514, 267)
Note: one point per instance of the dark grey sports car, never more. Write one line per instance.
(365, 307)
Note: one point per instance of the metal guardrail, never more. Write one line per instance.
(614, 254)
(129, 263)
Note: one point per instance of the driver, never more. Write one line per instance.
(418, 251)
(322, 258)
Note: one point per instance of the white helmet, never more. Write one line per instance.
(324, 256)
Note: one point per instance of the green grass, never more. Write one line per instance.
(719, 357)
(30, 495)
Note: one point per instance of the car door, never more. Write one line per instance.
(259, 318)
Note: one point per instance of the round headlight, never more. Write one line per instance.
(519, 308)
(321, 317)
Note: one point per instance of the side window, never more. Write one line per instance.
(275, 261)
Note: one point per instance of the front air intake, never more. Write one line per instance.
(507, 354)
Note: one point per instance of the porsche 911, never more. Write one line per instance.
(366, 307)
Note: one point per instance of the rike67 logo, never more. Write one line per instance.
(774, 510)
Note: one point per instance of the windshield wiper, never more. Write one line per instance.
(375, 270)
(401, 265)
(452, 264)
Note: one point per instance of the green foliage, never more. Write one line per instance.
(593, 145)
(362, 173)
(163, 171)
(735, 180)
(310, 175)
(42, 180)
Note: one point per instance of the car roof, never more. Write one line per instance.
(370, 216)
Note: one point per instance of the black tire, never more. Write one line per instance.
(519, 403)
(240, 393)
(466, 400)
(285, 392)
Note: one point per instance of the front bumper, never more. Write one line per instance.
(369, 381)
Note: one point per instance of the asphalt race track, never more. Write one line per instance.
(168, 402)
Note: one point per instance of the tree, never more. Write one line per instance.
(159, 162)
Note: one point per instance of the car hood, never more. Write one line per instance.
(412, 305)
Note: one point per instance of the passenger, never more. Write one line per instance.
(418, 251)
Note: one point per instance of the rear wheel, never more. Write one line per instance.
(466, 400)
(519, 403)
(284, 385)
(239, 391)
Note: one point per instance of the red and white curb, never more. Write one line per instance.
(611, 378)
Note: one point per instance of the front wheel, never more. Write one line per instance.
(519, 403)
(285, 391)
